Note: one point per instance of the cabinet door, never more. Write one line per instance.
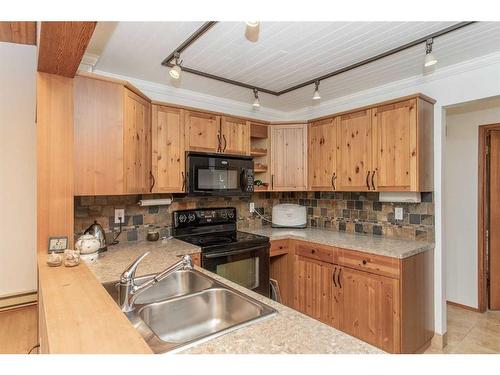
(288, 160)
(168, 149)
(98, 137)
(314, 288)
(137, 144)
(202, 132)
(322, 151)
(371, 308)
(354, 158)
(235, 135)
(395, 146)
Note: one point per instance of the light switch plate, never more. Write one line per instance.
(398, 213)
(252, 207)
(119, 213)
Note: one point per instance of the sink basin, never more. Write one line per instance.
(178, 284)
(199, 315)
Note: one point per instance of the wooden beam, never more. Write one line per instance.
(62, 45)
(18, 32)
(54, 159)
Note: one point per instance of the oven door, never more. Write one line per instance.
(246, 267)
(210, 174)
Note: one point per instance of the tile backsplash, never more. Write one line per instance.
(339, 211)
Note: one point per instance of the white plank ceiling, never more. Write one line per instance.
(287, 53)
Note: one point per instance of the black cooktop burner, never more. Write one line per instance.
(211, 241)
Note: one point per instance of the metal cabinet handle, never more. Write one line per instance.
(338, 277)
(334, 272)
(225, 142)
(183, 181)
(154, 181)
(219, 147)
(364, 261)
(313, 251)
(334, 177)
(272, 181)
(373, 182)
(367, 182)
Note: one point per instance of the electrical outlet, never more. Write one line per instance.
(398, 213)
(252, 207)
(119, 214)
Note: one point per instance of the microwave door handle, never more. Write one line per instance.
(243, 179)
(234, 252)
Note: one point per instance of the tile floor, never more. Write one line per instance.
(470, 332)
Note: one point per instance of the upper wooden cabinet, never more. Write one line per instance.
(402, 144)
(322, 153)
(354, 155)
(202, 131)
(235, 136)
(112, 135)
(288, 157)
(168, 160)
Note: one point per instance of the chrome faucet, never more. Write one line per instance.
(129, 291)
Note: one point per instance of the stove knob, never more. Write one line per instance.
(224, 214)
(182, 218)
(231, 214)
(191, 217)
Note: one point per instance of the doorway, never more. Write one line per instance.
(489, 217)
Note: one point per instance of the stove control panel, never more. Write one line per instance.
(194, 218)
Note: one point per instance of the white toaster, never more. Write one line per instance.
(289, 216)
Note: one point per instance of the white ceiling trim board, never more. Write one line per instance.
(169, 94)
(389, 90)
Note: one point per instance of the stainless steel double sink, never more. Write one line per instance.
(187, 308)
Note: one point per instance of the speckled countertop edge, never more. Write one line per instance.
(360, 242)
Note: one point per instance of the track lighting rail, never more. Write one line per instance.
(208, 25)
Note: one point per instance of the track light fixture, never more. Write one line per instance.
(175, 71)
(252, 23)
(430, 59)
(316, 95)
(256, 103)
(252, 31)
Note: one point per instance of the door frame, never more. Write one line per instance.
(484, 131)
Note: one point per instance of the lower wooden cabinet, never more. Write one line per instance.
(384, 301)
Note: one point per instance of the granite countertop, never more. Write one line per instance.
(288, 331)
(370, 244)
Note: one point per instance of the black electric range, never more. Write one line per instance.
(238, 256)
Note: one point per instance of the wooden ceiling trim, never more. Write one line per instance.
(62, 45)
(18, 32)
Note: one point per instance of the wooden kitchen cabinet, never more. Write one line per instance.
(354, 155)
(402, 144)
(235, 136)
(371, 308)
(289, 157)
(202, 131)
(112, 135)
(322, 153)
(168, 158)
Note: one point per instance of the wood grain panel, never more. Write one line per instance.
(322, 152)
(425, 146)
(18, 32)
(168, 160)
(235, 133)
(316, 251)
(202, 131)
(494, 221)
(417, 302)
(18, 330)
(98, 145)
(62, 45)
(354, 157)
(377, 264)
(55, 187)
(137, 144)
(371, 308)
(282, 269)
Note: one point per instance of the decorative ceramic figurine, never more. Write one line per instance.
(71, 258)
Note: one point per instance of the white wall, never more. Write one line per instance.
(17, 168)
(460, 196)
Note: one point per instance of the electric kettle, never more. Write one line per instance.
(97, 231)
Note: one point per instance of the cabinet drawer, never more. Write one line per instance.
(377, 264)
(279, 247)
(315, 251)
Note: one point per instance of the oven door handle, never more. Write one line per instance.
(234, 252)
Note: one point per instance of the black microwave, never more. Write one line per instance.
(218, 174)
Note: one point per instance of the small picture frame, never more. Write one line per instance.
(58, 244)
